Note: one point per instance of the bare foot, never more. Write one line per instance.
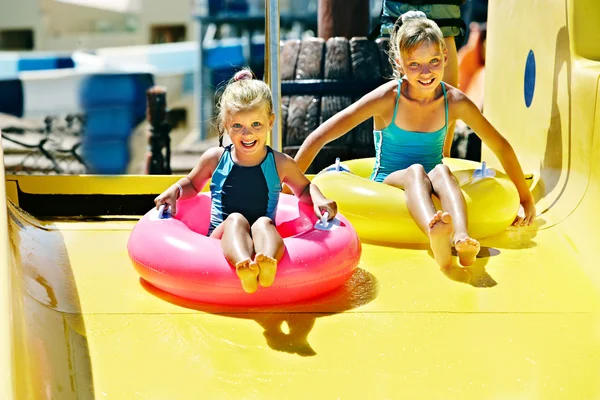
(268, 268)
(440, 230)
(467, 249)
(247, 271)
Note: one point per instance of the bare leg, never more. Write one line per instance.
(239, 249)
(268, 246)
(451, 78)
(436, 225)
(446, 187)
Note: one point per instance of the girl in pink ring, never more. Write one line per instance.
(246, 179)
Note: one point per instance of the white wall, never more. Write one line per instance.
(167, 12)
(17, 14)
(21, 14)
(62, 27)
(61, 18)
(89, 41)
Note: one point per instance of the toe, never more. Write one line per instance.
(446, 218)
(242, 264)
(253, 266)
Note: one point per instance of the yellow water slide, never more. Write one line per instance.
(523, 323)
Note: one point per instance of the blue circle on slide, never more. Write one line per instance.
(529, 84)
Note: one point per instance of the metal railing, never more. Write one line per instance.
(272, 74)
(53, 149)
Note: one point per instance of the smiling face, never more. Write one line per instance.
(248, 131)
(424, 67)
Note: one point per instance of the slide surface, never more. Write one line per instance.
(522, 323)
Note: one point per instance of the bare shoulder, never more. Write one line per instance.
(457, 99)
(283, 160)
(206, 165)
(213, 154)
(209, 159)
(381, 100)
(454, 94)
(286, 166)
(388, 90)
(383, 92)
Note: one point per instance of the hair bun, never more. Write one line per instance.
(414, 14)
(243, 74)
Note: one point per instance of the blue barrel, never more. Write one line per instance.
(114, 105)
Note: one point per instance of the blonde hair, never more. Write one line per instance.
(411, 30)
(242, 93)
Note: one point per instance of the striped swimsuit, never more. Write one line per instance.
(397, 149)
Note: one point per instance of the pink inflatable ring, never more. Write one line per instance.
(175, 255)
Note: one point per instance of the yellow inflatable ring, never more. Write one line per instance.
(379, 214)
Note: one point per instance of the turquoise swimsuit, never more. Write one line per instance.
(397, 149)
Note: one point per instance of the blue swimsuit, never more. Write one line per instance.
(250, 191)
(397, 149)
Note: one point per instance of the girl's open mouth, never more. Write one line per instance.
(249, 144)
(428, 82)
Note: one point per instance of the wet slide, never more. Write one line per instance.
(523, 323)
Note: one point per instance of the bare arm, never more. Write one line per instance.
(447, 149)
(193, 182)
(302, 188)
(472, 116)
(202, 172)
(342, 123)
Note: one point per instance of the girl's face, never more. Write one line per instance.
(248, 130)
(424, 68)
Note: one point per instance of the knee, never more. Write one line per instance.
(440, 172)
(416, 175)
(442, 169)
(238, 219)
(417, 171)
(262, 223)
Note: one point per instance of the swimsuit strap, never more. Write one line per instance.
(397, 100)
(446, 102)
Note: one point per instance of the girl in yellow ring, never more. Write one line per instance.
(411, 118)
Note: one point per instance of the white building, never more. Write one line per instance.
(65, 25)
